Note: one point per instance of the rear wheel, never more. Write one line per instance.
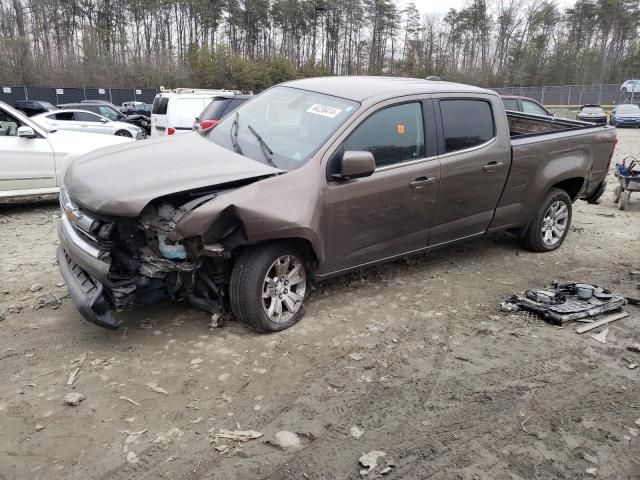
(123, 133)
(268, 287)
(551, 223)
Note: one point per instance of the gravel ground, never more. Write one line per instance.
(412, 353)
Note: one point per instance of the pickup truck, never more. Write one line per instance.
(33, 156)
(311, 179)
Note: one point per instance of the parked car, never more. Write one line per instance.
(312, 179)
(112, 112)
(625, 115)
(84, 121)
(593, 114)
(524, 104)
(137, 108)
(218, 108)
(33, 107)
(174, 111)
(34, 156)
(630, 86)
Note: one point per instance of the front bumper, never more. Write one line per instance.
(86, 293)
(84, 269)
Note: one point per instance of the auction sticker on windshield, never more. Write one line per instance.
(324, 110)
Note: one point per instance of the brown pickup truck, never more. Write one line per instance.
(311, 179)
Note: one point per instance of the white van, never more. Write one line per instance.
(174, 111)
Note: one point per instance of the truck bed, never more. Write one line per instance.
(527, 125)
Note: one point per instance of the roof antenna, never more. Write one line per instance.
(433, 78)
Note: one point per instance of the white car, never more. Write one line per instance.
(33, 157)
(630, 86)
(83, 121)
(174, 111)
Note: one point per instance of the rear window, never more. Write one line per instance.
(466, 123)
(160, 105)
(65, 116)
(215, 109)
(233, 104)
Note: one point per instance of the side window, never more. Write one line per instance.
(530, 107)
(8, 125)
(466, 123)
(65, 116)
(86, 117)
(393, 134)
(510, 104)
(106, 112)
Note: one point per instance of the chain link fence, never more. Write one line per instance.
(570, 95)
(57, 96)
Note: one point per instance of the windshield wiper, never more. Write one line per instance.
(266, 151)
(234, 135)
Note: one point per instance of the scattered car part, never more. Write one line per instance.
(562, 303)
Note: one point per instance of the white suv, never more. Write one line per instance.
(630, 86)
(174, 111)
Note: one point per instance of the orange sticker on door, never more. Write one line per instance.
(400, 129)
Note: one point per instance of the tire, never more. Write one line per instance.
(249, 285)
(616, 194)
(545, 232)
(123, 133)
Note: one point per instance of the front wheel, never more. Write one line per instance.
(123, 133)
(268, 287)
(551, 223)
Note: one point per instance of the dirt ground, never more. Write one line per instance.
(413, 354)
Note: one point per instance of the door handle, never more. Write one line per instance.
(422, 182)
(492, 166)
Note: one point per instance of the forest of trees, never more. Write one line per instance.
(252, 44)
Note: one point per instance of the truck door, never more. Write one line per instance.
(389, 212)
(475, 159)
(25, 163)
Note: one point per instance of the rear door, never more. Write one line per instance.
(25, 163)
(474, 163)
(65, 121)
(389, 213)
(159, 115)
(183, 112)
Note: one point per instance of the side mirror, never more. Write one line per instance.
(356, 164)
(26, 132)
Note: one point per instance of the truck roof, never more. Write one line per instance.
(359, 88)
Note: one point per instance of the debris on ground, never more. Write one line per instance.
(139, 432)
(375, 461)
(287, 440)
(355, 356)
(72, 376)
(635, 347)
(153, 386)
(127, 399)
(35, 287)
(562, 303)
(603, 321)
(592, 471)
(73, 398)
(602, 336)
(39, 427)
(238, 435)
(356, 432)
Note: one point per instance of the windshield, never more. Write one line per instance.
(628, 109)
(292, 123)
(592, 110)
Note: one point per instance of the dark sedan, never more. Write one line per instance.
(625, 115)
(33, 107)
(593, 114)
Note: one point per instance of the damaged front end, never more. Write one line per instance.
(110, 263)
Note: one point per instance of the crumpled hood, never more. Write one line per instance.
(122, 180)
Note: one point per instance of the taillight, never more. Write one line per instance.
(207, 124)
(171, 131)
